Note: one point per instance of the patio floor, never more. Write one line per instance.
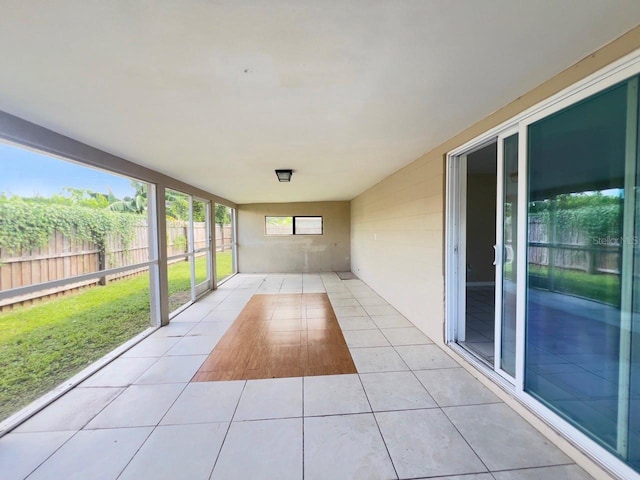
(409, 412)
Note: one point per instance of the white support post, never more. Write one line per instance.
(191, 250)
(158, 243)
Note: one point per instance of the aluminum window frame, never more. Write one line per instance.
(23, 134)
(293, 225)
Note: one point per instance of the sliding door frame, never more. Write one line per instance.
(619, 71)
(499, 256)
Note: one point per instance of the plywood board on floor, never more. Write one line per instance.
(277, 336)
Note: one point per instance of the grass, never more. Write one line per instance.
(602, 287)
(179, 275)
(180, 282)
(45, 344)
(224, 264)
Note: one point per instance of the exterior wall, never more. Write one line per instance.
(329, 252)
(397, 226)
(397, 241)
(397, 231)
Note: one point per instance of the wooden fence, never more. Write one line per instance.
(572, 249)
(223, 237)
(65, 257)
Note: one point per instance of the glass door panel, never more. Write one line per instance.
(580, 230)
(508, 271)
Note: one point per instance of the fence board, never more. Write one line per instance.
(63, 257)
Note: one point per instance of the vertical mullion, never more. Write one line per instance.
(461, 320)
(499, 254)
(626, 280)
(207, 219)
(234, 240)
(521, 258)
(213, 240)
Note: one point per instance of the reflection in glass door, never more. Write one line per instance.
(582, 304)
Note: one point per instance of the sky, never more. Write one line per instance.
(27, 174)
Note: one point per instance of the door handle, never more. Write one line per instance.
(508, 254)
(495, 255)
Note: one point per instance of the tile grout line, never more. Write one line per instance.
(437, 406)
(87, 423)
(465, 440)
(538, 467)
(375, 419)
(137, 450)
(168, 409)
(213, 467)
(51, 455)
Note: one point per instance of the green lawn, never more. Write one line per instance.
(224, 264)
(43, 345)
(179, 275)
(602, 287)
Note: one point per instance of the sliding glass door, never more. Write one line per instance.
(560, 185)
(582, 338)
(486, 236)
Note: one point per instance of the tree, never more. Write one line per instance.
(136, 204)
(199, 211)
(222, 218)
(177, 206)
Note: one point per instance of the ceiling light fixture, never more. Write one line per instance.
(284, 175)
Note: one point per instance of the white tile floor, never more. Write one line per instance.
(410, 412)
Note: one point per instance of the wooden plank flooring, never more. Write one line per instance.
(279, 336)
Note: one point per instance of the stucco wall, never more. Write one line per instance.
(328, 252)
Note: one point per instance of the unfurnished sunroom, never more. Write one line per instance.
(478, 303)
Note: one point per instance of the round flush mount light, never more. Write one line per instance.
(284, 175)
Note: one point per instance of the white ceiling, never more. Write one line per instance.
(220, 93)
